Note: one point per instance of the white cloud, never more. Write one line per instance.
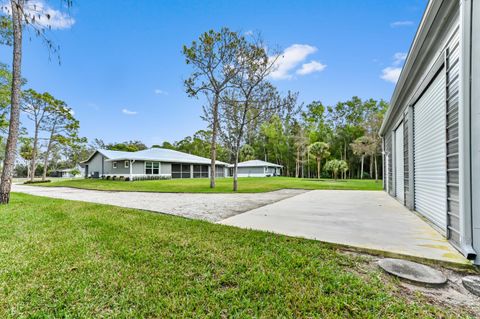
(160, 92)
(399, 57)
(44, 16)
(290, 59)
(391, 74)
(128, 112)
(398, 24)
(311, 67)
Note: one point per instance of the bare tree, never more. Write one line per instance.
(374, 122)
(37, 107)
(250, 99)
(214, 59)
(238, 110)
(301, 149)
(62, 128)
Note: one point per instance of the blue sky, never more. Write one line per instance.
(122, 70)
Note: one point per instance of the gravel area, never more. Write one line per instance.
(210, 207)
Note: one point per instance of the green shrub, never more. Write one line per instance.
(37, 182)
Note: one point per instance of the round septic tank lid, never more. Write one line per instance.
(413, 272)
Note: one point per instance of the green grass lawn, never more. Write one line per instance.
(78, 260)
(224, 185)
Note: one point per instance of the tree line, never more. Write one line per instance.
(344, 136)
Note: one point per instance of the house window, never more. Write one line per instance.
(152, 168)
(181, 171)
(114, 164)
(200, 171)
(127, 164)
(219, 171)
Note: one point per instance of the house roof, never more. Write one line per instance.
(257, 163)
(154, 154)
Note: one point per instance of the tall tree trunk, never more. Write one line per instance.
(10, 150)
(376, 170)
(47, 154)
(318, 168)
(297, 164)
(235, 173)
(303, 166)
(361, 168)
(33, 162)
(213, 154)
(308, 165)
(371, 166)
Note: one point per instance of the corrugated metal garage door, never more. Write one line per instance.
(453, 75)
(388, 163)
(399, 164)
(406, 159)
(430, 152)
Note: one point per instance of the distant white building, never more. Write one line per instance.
(257, 168)
(67, 172)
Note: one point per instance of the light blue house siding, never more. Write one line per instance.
(106, 164)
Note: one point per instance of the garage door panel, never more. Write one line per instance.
(430, 152)
(399, 164)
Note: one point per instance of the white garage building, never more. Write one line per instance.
(431, 133)
(256, 168)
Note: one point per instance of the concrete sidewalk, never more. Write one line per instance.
(369, 220)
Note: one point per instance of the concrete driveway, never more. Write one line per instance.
(211, 207)
(364, 219)
(370, 220)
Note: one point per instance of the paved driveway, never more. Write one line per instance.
(211, 207)
(363, 219)
(370, 220)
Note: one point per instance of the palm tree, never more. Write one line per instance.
(320, 151)
(335, 166)
(362, 146)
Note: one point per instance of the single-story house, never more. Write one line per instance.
(431, 132)
(153, 163)
(256, 168)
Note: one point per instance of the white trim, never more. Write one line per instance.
(128, 175)
(126, 164)
(114, 164)
(253, 175)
